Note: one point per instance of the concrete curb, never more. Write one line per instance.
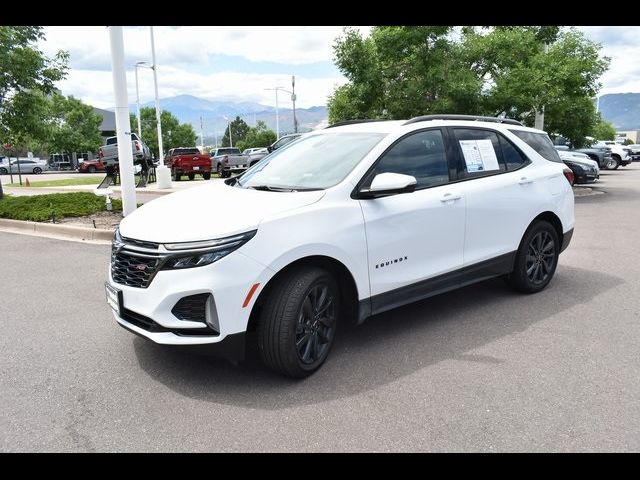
(56, 230)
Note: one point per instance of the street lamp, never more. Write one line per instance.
(293, 100)
(229, 128)
(139, 65)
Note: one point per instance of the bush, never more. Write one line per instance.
(40, 208)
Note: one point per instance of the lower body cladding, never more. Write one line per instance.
(207, 305)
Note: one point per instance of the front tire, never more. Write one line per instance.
(91, 169)
(536, 259)
(3, 171)
(206, 175)
(297, 324)
(37, 170)
(613, 163)
(192, 176)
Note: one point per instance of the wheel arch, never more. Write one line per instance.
(553, 219)
(346, 284)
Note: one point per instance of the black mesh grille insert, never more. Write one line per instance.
(132, 269)
(192, 308)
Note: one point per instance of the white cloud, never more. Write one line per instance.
(96, 87)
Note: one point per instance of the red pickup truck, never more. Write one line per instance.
(189, 162)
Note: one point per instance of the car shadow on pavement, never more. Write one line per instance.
(384, 349)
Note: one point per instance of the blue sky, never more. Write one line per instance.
(239, 63)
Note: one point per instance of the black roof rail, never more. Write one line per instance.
(351, 122)
(476, 118)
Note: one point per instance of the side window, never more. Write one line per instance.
(421, 155)
(512, 157)
(480, 152)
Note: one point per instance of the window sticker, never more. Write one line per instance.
(479, 155)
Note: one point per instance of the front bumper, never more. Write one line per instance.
(228, 281)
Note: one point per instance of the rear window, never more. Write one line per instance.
(112, 140)
(540, 142)
(228, 151)
(186, 151)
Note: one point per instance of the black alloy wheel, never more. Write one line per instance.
(316, 324)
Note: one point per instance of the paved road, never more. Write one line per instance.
(480, 369)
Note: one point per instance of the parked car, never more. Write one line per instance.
(282, 141)
(91, 166)
(108, 153)
(227, 160)
(584, 169)
(620, 154)
(24, 165)
(257, 155)
(345, 223)
(601, 154)
(189, 162)
(635, 151)
(249, 151)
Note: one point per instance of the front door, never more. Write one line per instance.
(414, 236)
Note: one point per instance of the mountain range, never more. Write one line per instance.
(189, 109)
(621, 109)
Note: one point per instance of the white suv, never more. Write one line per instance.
(345, 223)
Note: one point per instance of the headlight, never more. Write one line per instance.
(203, 252)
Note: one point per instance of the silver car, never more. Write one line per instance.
(26, 166)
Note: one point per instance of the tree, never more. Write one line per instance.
(400, 72)
(603, 130)
(258, 136)
(174, 134)
(26, 75)
(239, 131)
(75, 126)
(627, 141)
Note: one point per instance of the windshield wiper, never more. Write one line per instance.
(269, 188)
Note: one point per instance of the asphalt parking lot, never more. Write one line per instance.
(479, 369)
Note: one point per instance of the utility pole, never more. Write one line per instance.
(201, 134)
(123, 124)
(138, 102)
(539, 120)
(155, 82)
(293, 100)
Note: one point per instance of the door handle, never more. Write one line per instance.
(525, 181)
(450, 197)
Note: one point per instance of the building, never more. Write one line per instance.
(633, 135)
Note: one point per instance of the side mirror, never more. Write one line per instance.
(389, 184)
(269, 149)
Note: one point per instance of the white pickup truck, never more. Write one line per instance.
(108, 154)
(620, 154)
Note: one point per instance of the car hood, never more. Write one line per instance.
(577, 161)
(208, 212)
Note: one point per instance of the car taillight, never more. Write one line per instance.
(568, 174)
(225, 159)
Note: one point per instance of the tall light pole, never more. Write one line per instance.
(277, 114)
(229, 128)
(293, 100)
(145, 65)
(123, 123)
(201, 134)
(154, 66)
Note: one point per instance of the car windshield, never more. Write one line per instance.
(540, 142)
(313, 162)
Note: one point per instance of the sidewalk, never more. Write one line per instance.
(151, 189)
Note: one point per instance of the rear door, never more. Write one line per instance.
(501, 188)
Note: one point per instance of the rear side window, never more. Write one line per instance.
(480, 151)
(421, 155)
(511, 155)
(540, 142)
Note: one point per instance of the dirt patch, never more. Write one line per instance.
(104, 220)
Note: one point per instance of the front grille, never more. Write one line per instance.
(192, 308)
(132, 268)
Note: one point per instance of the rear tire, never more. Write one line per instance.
(206, 175)
(37, 170)
(536, 259)
(3, 171)
(92, 169)
(297, 324)
(192, 176)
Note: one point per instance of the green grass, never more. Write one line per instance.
(60, 183)
(40, 208)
